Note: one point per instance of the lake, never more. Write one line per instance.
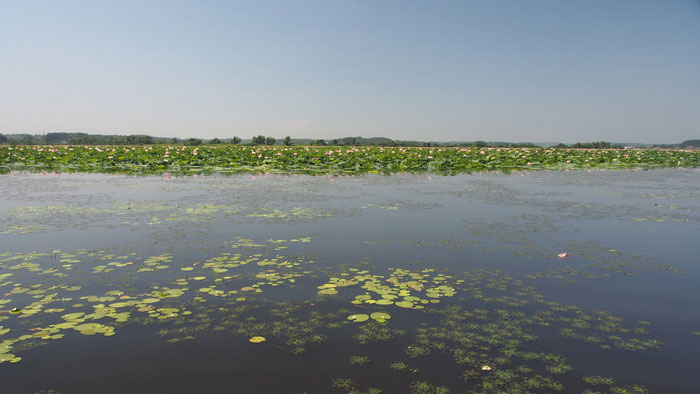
(524, 282)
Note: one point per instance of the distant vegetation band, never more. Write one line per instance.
(328, 159)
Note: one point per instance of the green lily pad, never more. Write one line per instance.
(73, 316)
(380, 316)
(6, 357)
(357, 318)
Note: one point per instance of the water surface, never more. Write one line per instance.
(115, 283)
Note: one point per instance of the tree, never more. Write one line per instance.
(137, 139)
(320, 142)
(215, 141)
(259, 140)
(684, 144)
(26, 140)
(270, 141)
(287, 141)
(480, 144)
(235, 140)
(3, 139)
(193, 142)
(596, 145)
(54, 138)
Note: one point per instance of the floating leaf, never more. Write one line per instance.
(357, 318)
(380, 316)
(7, 357)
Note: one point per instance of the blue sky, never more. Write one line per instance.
(626, 71)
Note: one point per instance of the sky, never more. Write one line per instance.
(493, 70)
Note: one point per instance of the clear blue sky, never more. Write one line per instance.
(625, 71)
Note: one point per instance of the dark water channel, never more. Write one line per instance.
(529, 282)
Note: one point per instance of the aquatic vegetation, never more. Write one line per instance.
(6, 356)
(399, 288)
(329, 160)
(296, 212)
(604, 329)
(29, 219)
(585, 260)
(479, 305)
(514, 381)
(358, 318)
(380, 317)
(349, 386)
(421, 387)
(344, 384)
(359, 360)
(376, 332)
(608, 384)
(398, 366)
(481, 319)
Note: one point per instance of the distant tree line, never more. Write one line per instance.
(591, 145)
(690, 144)
(143, 139)
(82, 139)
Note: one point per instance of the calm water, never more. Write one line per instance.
(114, 284)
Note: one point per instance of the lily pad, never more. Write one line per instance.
(357, 318)
(380, 316)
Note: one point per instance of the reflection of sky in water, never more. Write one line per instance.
(630, 237)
